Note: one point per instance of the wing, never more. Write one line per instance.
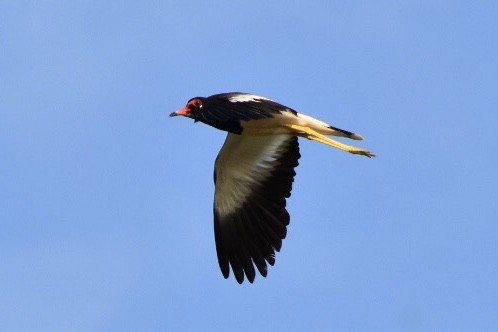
(253, 178)
(226, 111)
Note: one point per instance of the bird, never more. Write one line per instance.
(254, 173)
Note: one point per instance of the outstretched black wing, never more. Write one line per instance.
(253, 178)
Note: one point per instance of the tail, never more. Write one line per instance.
(344, 133)
(316, 130)
(324, 128)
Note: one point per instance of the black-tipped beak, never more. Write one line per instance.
(183, 112)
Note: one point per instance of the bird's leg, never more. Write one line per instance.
(309, 133)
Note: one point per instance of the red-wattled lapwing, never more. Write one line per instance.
(253, 173)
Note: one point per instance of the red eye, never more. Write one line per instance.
(195, 103)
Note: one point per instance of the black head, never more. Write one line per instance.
(192, 109)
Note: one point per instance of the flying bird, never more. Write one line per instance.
(254, 172)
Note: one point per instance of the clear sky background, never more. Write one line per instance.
(106, 202)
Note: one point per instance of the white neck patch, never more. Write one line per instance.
(243, 98)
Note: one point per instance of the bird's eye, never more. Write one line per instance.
(196, 103)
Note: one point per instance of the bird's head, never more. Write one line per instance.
(192, 109)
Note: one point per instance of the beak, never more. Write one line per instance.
(183, 112)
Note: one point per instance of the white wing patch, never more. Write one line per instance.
(245, 97)
(242, 164)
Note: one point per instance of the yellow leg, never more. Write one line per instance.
(315, 136)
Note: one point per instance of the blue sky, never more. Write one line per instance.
(106, 203)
